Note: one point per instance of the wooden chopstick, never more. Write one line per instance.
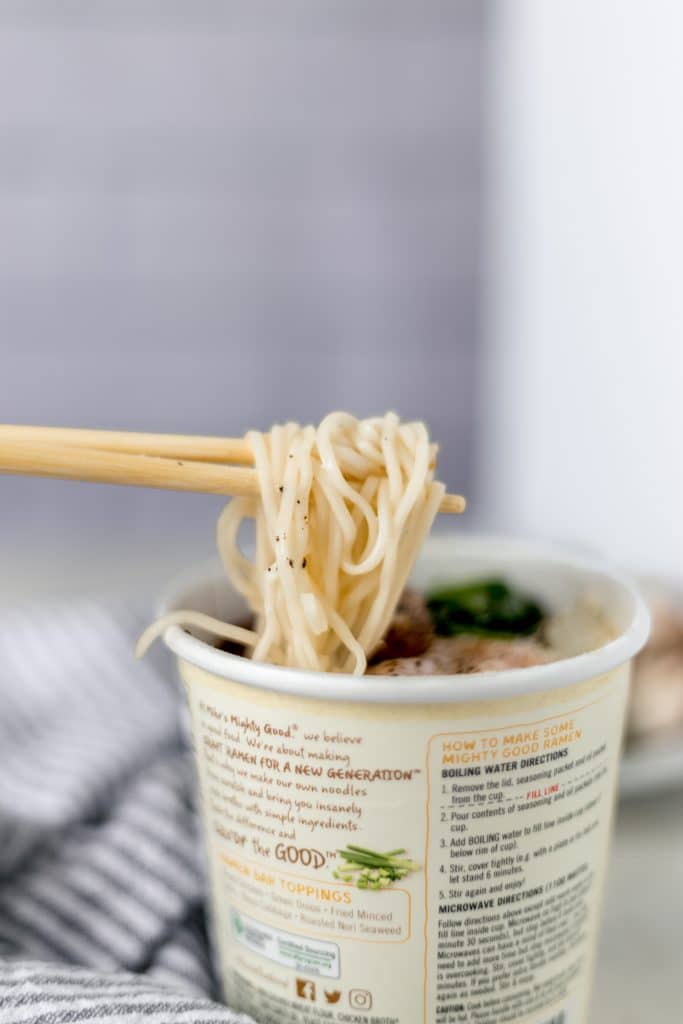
(453, 504)
(32, 458)
(173, 446)
(70, 454)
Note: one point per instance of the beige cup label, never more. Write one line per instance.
(497, 824)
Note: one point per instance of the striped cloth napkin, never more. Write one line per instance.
(101, 890)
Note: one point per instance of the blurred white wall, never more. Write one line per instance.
(582, 392)
(215, 214)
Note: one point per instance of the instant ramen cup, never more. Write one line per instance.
(430, 849)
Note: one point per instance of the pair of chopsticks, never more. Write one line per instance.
(175, 462)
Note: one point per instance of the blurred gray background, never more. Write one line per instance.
(215, 215)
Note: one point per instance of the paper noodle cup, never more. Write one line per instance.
(499, 787)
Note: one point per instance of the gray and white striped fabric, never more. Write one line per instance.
(101, 891)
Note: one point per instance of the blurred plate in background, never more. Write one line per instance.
(653, 757)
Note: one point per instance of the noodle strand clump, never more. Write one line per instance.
(342, 514)
(340, 518)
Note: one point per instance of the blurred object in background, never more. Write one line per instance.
(582, 391)
(216, 215)
(657, 693)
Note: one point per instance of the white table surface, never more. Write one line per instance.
(640, 962)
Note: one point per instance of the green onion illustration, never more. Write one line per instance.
(370, 869)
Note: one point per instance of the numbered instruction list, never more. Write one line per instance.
(508, 904)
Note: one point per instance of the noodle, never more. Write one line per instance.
(342, 513)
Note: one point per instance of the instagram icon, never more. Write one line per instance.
(360, 999)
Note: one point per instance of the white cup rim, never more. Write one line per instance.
(434, 689)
